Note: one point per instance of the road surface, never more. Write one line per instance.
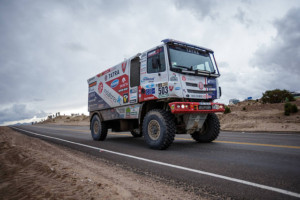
(237, 165)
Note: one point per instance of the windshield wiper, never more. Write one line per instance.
(205, 71)
(185, 67)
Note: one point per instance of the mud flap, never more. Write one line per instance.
(194, 122)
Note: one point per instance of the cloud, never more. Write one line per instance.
(201, 9)
(241, 16)
(284, 51)
(281, 57)
(19, 112)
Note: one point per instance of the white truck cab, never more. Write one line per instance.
(164, 91)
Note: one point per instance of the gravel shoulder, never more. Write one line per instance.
(34, 169)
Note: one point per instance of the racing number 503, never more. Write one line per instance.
(163, 90)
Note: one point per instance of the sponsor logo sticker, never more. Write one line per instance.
(183, 78)
(150, 91)
(125, 98)
(115, 83)
(93, 84)
(124, 66)
(100, 87)
(201, 86)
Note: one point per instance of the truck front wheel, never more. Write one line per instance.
(98, 129)
(159, 129)
(209, 131)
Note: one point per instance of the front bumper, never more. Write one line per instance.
(196, 107)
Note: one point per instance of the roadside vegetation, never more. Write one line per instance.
(290, 108)
(277, 96)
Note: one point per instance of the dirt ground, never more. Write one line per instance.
(33, 169)
(255, 116)
(81, 120)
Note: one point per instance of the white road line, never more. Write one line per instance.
(286, 192)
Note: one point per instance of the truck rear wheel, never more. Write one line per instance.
(98, 129)
(210, 130)
(159, 129)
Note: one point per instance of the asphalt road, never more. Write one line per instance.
(237, 165)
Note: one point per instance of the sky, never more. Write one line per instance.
(48, 49)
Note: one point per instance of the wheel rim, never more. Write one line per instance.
(154, 129)
(96, 127)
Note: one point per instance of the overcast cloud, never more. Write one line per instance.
(50, 48)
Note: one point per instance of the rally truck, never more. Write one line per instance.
(169, 89)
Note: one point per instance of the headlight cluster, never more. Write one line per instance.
(217, 107)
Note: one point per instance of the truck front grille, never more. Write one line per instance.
(199, 92)
(191, 84)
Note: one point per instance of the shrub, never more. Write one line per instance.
(294, 108)
(290, 108)
(244, 108)
(277, 96)
(227, 110)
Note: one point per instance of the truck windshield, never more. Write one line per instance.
(190, 59)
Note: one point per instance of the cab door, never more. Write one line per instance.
(154, 79)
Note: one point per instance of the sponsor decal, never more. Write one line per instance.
(119, 100)
(150, 91)
(125, 98)
(198, 96)
(124, 66)
(173, 107)
(150, 85)
(110, 96)
(91, 89)
(177, 88)
(205, 103)
(113, 74)
(211, 81)
(102, 73)
(128, 111)
(148, 79)
(183, 78)
(122, 90)
(133, 101)
(171, 88)
(115, 83)
(133, 90)
(201, 86)
(156, 51)
(93, 84)
(91, 79)
(119, 84)
(105, 77)
(163, 90)
(100, 87)
(133, 113)
(173, 78)
(121, 110)
(149, 98)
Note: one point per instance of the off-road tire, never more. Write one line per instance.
(98, 129)
(210, 130)
(136, 133)
(162, 120)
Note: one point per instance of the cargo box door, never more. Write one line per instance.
(135, 67)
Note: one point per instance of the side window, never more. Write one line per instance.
(156, 61)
